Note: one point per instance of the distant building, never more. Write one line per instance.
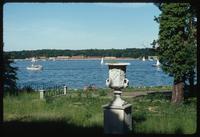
(27, 58)
(94, 57)
(77, 57)
(153, 57)
(109, 57)
(42, 57)
(62, 57)
(52, 58)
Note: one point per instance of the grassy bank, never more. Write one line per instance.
(148, 88)
(80, 112)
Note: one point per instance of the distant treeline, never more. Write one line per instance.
(129, 52)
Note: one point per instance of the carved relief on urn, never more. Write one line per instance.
(117, 76)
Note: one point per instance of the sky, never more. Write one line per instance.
(33, 26)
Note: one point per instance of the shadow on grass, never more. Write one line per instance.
(179, 130)
(137, 120)
(48, 128)
(165, 94)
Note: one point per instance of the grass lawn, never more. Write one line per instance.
(79, 112)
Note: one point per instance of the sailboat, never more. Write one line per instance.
(157, 64)
(143, 59)
(101, 61)
(34, 66)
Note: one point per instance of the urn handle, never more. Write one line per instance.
(108, 82)
(126, 82)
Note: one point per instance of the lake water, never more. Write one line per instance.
(80, 73)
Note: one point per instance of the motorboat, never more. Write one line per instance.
(34, 66)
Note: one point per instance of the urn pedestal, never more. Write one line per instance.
(117, 114)
(117, 120)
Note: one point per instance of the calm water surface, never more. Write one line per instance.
(80, 73)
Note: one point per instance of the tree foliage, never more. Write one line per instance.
(129, 52)
(177, 39)
(9, 75)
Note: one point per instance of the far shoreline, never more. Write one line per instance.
(88, 58)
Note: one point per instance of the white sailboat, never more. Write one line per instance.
(143, 59)
(157, 64)
(101, 61)
(33, 60)
(34, 66)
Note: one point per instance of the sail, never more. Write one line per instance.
(101, 60)
(157, 63)
(143, 59)
(33, 60)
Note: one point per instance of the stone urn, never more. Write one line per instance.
(117, 81)
(117, 114)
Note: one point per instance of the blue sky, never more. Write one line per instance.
(79, 25)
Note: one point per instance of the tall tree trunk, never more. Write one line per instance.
(178, 93)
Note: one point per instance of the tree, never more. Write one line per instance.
(9, 75)
(191, 30)
(177, 44)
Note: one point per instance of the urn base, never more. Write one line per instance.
(117, 119)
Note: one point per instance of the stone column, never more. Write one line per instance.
(65, 90)
(42, 92)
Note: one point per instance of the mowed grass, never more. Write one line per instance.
(151, 114)
(27, 107)
(155, 114)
